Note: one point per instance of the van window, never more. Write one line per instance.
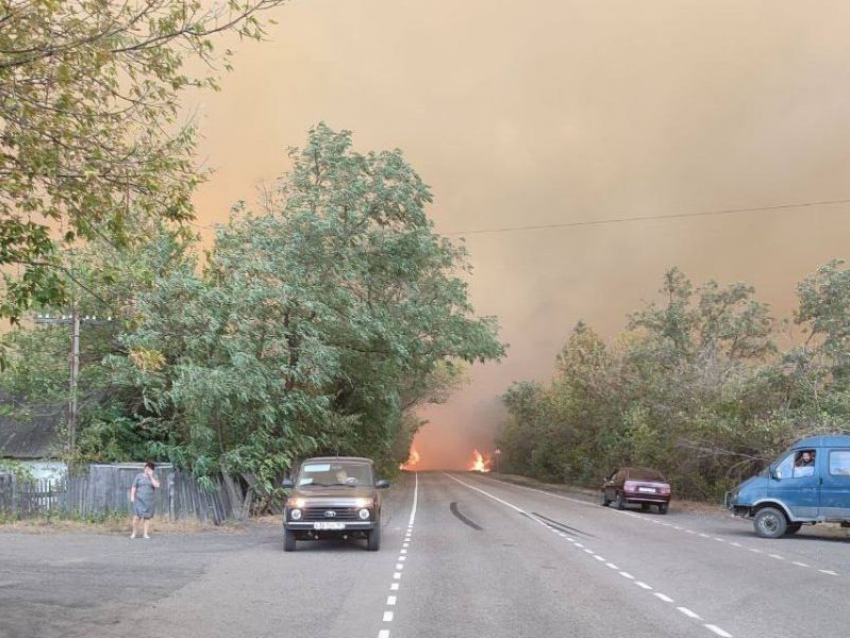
(839, 462)
(804, 463)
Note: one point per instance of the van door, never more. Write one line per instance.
(835, 490)
(797, 485)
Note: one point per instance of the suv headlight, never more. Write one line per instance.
(295, 514)
(363, 514)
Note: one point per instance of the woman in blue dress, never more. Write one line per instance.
(141, 496)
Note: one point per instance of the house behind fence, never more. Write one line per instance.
(101, 490)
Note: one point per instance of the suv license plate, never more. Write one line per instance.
(650, 490)
(328, 525)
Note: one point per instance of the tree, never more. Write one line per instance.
(825, 310)
(89, 96)
(110, 279)
(314, 324)
(692, 388)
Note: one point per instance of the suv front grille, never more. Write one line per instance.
(340, 514)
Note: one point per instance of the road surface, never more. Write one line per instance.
(463, 555)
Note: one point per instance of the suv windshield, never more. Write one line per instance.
(335, 473)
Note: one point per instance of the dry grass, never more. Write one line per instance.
(114, 525)
(268, 519)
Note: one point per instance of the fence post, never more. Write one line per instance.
(14, 496)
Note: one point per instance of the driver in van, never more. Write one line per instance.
(804, 465)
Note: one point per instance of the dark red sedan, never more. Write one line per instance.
(636, 485)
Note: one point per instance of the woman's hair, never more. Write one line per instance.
(151, 465)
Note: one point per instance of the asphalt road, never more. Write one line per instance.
(463, 555)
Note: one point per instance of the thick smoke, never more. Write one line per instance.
(541, 112)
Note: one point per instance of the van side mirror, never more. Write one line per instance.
(287, 483)
(774, 473)
(382, 484)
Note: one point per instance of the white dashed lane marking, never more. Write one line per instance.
(689, 613)
(684, 610)
(658, 522)
(392, 601)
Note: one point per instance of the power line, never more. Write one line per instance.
(621, 220)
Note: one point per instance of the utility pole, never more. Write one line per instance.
(75, 321)
(75, 373)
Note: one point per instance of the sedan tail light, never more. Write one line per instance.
(630, 486)
(664, 489)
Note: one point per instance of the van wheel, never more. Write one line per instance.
(288, 541)
(373, 541)
(793, 528)
(621, 501)
(605, 501)
(770, 523)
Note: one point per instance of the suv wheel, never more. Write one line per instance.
(770, 522)
(373, 541)
(288, 541)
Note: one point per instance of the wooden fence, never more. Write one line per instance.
(101, 490)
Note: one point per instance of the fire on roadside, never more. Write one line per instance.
(412, 460)
(479, 463)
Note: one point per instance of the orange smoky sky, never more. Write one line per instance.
(544, 111)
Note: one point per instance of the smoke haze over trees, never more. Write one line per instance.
(696, 387)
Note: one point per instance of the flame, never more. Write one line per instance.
(478, 463)
(412, 460)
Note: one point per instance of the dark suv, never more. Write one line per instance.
(333, 497)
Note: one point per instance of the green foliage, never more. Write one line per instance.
(315, 326)
(696, 388)
(91, 94)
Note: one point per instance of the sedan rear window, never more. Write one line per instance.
(645, 475)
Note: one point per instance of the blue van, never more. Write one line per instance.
(808, 484)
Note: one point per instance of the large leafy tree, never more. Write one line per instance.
(89, 98)
(315, 324)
